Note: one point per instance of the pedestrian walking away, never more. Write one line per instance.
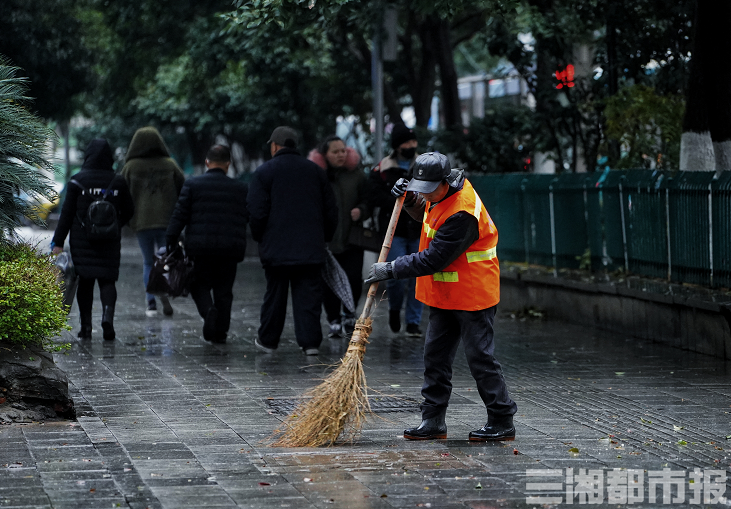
(95, 253)
(155, 180)
(458, 276)
(398, 164)
(293, 214)
(212, 209)
(349, 184)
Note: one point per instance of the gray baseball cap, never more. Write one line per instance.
(282, 134)
(430, 169)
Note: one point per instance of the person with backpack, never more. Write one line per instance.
(97, 204)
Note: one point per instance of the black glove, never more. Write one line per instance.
(380, 271)
(399, 188)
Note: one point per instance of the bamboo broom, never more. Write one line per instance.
(338, 406)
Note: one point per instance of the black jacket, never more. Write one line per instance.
(293, 210)
(212, 209)
(94, 258)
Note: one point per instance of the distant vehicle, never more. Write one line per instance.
(43, 208)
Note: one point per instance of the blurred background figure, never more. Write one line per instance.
(293, 216)
(399, 164)
(154, 181)
(212, 209)
(94, 259)
(349, 184)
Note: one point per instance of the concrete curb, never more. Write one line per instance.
(692, 319)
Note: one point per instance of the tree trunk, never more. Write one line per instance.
(64, 127)
(718, 80)
(696, 146)
(448, 74)
(421, 82)
(612, 77)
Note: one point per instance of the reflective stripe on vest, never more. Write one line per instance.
(430, 232)
(446, 277)
(481, 256)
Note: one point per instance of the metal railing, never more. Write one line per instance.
(675, 226)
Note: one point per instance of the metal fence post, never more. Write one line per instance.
(624, 228)
(667, 230)
(710, 229)
(553, 231)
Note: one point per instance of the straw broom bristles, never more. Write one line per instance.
(338, 406)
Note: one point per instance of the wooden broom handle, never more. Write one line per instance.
(385, 248)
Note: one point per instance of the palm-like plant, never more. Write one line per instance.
(23, 143)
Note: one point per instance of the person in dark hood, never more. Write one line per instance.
(94, 259)
(398, 164)
(155, 181)
(349, 184)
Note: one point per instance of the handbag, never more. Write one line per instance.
(171, 274)
(67, 278)
(365, 235)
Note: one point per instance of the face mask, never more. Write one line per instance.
(408, 153)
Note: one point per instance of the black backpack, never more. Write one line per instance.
(100, 221)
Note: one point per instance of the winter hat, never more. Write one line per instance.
(401, 134)
(284, 136)
(430, 170)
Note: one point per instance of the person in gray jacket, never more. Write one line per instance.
(154, 180)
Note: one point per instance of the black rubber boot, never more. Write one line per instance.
(108, 323)
(497, 429)
(85, 331)
(429, 429)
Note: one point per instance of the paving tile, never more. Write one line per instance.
(168, 420)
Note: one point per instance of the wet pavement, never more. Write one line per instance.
(168, 420)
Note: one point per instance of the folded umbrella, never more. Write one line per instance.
(337, 281)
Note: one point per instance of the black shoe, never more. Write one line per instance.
(108, 323)
(209, 325)
(167, 309)
(500, 430)
(413, 330)
(151, 308)
(85, 332)
(429, 429)
(394, 319)
(219, 337)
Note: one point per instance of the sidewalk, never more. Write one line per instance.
(168, 420)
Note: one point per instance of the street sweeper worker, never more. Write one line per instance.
(459, 278)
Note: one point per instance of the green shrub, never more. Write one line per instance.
(31, 301)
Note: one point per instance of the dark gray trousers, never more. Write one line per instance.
(306, 283)
(446, 329)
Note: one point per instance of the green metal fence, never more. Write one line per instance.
(675, 226)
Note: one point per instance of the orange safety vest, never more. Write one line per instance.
(472, 281)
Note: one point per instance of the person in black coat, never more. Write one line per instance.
(95, 260)
(293, 214)
(212, 209)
